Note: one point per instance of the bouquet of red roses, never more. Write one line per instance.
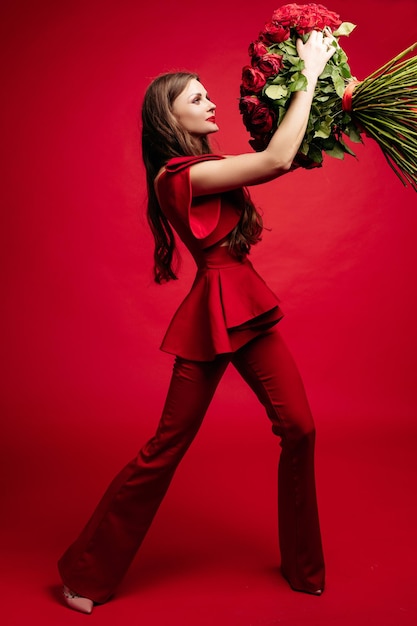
(384, 105)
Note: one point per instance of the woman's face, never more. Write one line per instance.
(194, 110)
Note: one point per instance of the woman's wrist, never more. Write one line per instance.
(311, 76)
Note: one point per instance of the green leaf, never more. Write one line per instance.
(298, 83)
(324, 130)
(326, 73)
(353, 133)
(294, 60)
(276, 92)
(288, 47)
(297, 67)
(339, 83)
(347, 120)
(337, 151)
(327, 88)
(338, 57)
(345, 70)
(341, 55)
(329, 143)
(346, 147)
(278, 80)
(274, 49)
(344, 29)
(315, 154)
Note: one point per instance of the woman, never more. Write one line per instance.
(229, 316)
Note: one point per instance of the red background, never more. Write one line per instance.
(83, 381)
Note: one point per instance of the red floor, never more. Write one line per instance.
(211, 556)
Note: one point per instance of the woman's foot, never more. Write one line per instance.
(313, 592)
(76, 602)
(317, 592)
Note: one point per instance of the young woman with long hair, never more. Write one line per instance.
(229, 316)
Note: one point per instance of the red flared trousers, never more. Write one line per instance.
(96, 562)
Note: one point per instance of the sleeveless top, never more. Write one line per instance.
(229, 303)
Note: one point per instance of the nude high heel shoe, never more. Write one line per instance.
(76, 602)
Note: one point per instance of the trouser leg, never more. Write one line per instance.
(267, 366)
(96, 562)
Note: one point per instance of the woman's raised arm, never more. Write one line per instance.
(259, 167)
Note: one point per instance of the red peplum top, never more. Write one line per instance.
(229, 303)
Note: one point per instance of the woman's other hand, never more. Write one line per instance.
(316, 52)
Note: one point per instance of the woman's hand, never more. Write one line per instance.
(317, 50)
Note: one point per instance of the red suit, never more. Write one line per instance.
(229, 316)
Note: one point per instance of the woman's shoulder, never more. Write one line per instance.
(181, 164)
(178, 163)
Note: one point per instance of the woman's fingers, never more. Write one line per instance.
(317, 42)
(317, 50)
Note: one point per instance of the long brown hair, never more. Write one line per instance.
(162, 139)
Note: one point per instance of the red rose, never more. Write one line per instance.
(301, 160)
(274, 33)
(257, 49)
(324, 17)
(316, 17)
(287, 15)
(260, 143)
(306, 23)
(269, 64)
(257, 116)
(247, 104)
(252, 79)
(305, 18)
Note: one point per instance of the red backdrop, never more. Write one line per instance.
(82, 320)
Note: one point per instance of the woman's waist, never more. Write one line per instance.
(219, 256)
